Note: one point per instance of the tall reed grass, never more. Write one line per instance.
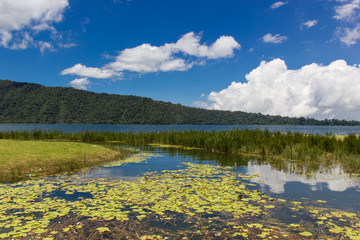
(326, 149)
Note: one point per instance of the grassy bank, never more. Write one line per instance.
(304, 149)
(25, 159)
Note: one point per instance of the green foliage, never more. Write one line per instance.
(306, 149)
(33, 103)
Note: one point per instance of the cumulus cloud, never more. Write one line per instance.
(277, 38)
(90, 72)
(21, 20)
(80, 83)
(190, 44)
(348, 10)
(147, 58)
(309, 24)
(179, 56)
(312, 91)
(278, 4)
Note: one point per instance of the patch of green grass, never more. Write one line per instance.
(22, 159)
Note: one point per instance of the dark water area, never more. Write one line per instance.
(334, 130)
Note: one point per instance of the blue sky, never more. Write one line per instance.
(291, 58)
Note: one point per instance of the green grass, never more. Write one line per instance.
(18, 159)
(302, 149)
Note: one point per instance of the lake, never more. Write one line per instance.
(320, 202)
(335, 130)
(332, 185)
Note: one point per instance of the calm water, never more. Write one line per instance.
(332, 185)
(335, 130)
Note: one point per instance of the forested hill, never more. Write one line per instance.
(34, 103)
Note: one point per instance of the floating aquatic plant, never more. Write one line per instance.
(200, 200)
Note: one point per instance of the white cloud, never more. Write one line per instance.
(349, 36)
(277, 38)
(190, 44)
(175, 65)
(23, 42)
(146, 58)
(312, 91)
(21, 20)
(67, 45)
(90, 72)
(278, 4)
(201, 104)
(44, 45)
(5, 38)
(80, 83)
(347, 11)
(309, 24)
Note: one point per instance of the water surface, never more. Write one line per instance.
(338, 189)
(335, 130)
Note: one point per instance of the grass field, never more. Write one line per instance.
(24, 159)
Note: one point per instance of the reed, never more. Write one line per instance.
(303, 148)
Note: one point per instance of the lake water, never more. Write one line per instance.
(337, 188)
(335, 130)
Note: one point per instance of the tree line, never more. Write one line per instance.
(34, 103)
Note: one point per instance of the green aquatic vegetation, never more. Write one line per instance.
(199, 201)
(103, 229)
(306, 234)
(337, 222)
(173, 146)
(136, 158)
(304, 150)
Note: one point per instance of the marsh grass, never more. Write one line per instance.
(303, 149)
(26, 159)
